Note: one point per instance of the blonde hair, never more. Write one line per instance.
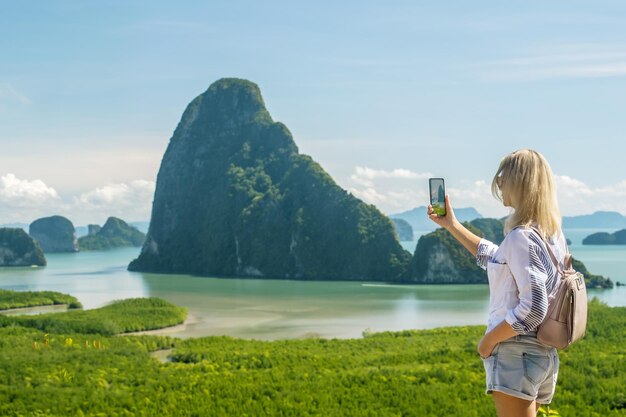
(530, 184)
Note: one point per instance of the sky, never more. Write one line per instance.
(383, 95)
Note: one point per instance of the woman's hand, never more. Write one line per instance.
(444, 221)
(491, 339)
(485, 347)
(449, 222)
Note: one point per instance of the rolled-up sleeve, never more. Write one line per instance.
(485, 253)
(529, 271)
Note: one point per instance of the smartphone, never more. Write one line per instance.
(438, 195)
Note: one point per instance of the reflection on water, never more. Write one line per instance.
(271, 309)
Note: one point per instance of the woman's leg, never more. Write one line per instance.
(509, 406)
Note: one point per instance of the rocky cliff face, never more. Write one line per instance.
(19, 249)
(115, 233)
(440, 259)
(54, 234)
(235, 198)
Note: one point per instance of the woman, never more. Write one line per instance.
(521, 371)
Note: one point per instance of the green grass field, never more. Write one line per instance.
(122, 316)
(409, 373)
(20, 299)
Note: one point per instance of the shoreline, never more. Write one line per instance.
(33, 310)
(166, 331)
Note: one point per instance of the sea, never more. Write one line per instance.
(269, 309)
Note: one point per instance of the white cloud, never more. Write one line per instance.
(389, 190)
(132, 201)
(369, 195)
(569, 187)
(27, 200)
(371, 174)
(576, 197)
(586, 60)
(615, 190)
(22, 199)
(395, 193)
(476, 194)
(365, 176)
(401, 189)
(16, 192)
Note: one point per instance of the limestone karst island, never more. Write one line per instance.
(235, 198)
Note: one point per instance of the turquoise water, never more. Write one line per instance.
(271, 309)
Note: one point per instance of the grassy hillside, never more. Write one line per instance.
(410, 373)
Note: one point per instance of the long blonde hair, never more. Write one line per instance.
(530, 184)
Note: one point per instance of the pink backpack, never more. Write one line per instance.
(566, 320)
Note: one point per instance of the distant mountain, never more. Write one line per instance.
(419, 221)
(16, 226)
(597, 220)
(404, 230)
(142, 226)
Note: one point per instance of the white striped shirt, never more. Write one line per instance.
(521, 277)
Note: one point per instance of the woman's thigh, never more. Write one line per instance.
(509, 406)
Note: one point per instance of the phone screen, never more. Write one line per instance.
(437, 195)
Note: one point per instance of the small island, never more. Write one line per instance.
(17, 248)
(439, 258)
(603, 238)
(54, 234)
(114, 234)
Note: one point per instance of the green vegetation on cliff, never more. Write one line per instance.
(490, 229)
(591, 280)
(409, 373)
(17, 248)
(54, 234)
(235, 198)
(114, 234)
(439, 258)
(21, 299)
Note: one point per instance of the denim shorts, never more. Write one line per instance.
(523, 367)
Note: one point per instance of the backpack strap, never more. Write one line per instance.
(568, 258)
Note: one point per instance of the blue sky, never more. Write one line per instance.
(381, 94)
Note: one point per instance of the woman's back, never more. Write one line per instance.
(521, 277)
